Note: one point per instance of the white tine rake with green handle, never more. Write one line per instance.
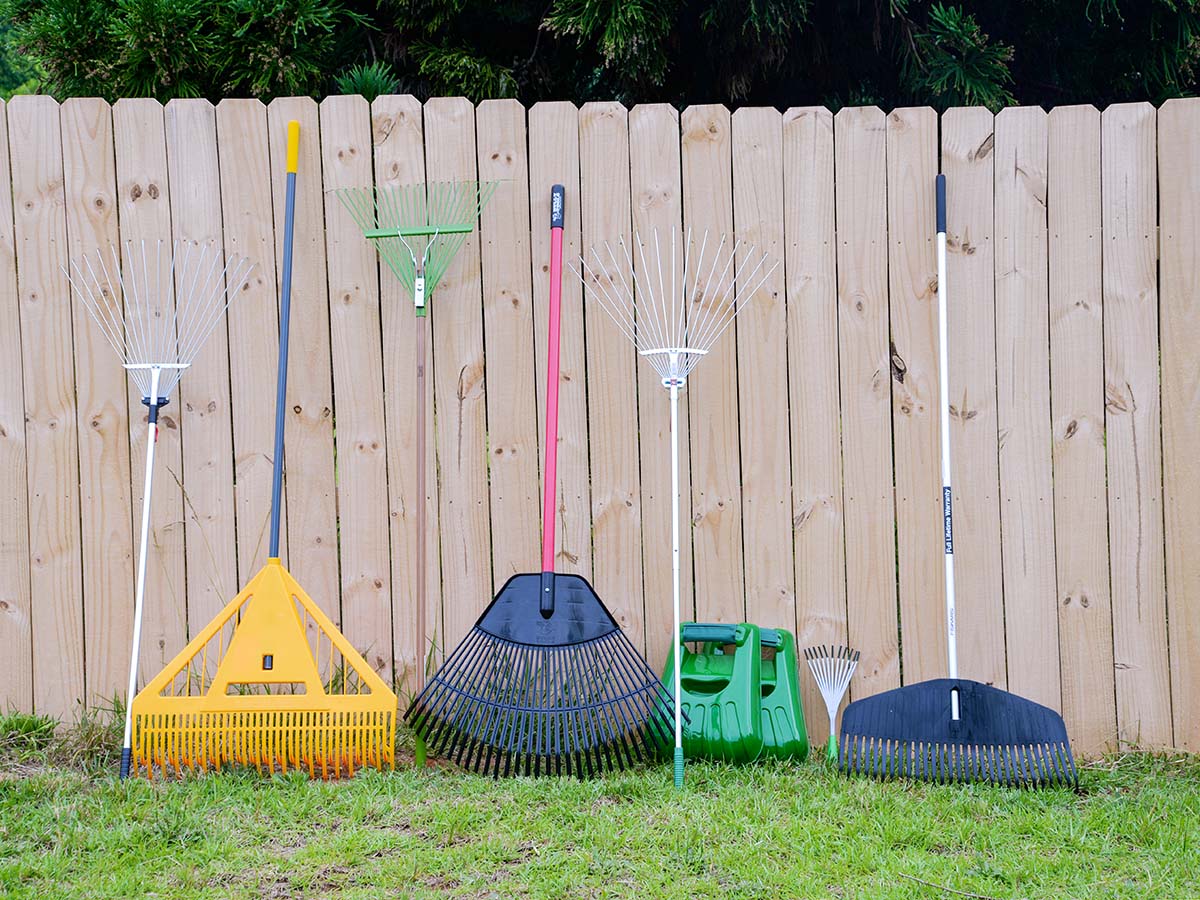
(156, 303)
(832, 668)
(673, 322)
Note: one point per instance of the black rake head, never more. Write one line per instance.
(998, 738)
(526, 694)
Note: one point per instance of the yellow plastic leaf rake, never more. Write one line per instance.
(270, 683)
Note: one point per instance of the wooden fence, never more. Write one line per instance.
(811, 439)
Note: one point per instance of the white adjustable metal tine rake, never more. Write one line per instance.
(156, 324)
(673, 338)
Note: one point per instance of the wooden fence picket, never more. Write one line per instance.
(48, 376)
(811, 272)
(1077, 408)
(1179, 240)
(1132, 424)
(16, 613)
(356, 347)
(718, 563)
(865, 369)
(89, 183)
(1023, 406)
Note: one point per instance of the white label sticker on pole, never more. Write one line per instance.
(419, 292)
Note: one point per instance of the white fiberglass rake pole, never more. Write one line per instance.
(658, 324)
(155, 346)
(944, 397)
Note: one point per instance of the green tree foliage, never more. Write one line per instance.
(184, 48)
(779, 52)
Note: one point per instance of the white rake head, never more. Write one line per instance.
(832, 668)
(156, 303)
(673, 315)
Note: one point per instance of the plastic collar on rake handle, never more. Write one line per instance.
(293, 146)
(831, 749)
(557, 199)
(941, 203)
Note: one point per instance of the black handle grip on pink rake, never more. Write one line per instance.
(557, 198)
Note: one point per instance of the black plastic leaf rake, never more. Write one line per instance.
(546, 682)
(952, 729)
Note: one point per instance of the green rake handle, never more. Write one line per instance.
(417, 231)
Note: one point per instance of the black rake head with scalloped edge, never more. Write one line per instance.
(998, 737)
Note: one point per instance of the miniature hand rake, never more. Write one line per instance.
(270, 682)
(546, 682)
(952, 729)
(417, 231)
(673, 330)
(156, 307)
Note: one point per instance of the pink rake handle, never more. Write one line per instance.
(557, 194)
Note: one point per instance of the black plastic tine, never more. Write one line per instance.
(518, 747)
(628, 684)
(599, 676)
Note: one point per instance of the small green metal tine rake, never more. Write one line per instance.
(418, 229)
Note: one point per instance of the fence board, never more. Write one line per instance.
(143, 208)
(16, 665)
(811, 264)
(554, 159)
(763, 357)
(968, 160)
(1023, 406)
(400, 160)
(1132, 421)
(508, 330)
(253, 324)
(1077, 405)
(309, 454)
(707, 149)
(89, 181)
(1179, 190)
(356, 346)
(204, 393)
(912, 156)
(656, 195)
(457, 314)
(860, 149)
(50, 426)
(612, 377)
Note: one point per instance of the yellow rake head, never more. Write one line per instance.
(270, 683)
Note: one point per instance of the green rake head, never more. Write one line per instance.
(418, 228)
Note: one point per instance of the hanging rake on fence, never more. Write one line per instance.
(156, 304)
(418, 229)
(674, 322)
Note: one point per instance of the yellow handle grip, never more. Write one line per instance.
(293, 150)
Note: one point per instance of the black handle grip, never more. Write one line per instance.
(126, 754)
(941, 204)
(557, 198)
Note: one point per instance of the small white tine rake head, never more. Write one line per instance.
(674, 297)
(157, 302)
(832, 668)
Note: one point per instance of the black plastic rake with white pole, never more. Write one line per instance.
(673, 322)
(952, 729)
(156, 308)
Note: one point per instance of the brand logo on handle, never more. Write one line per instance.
(557, 193)
(947, 527)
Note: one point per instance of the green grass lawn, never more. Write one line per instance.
(68, 828)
